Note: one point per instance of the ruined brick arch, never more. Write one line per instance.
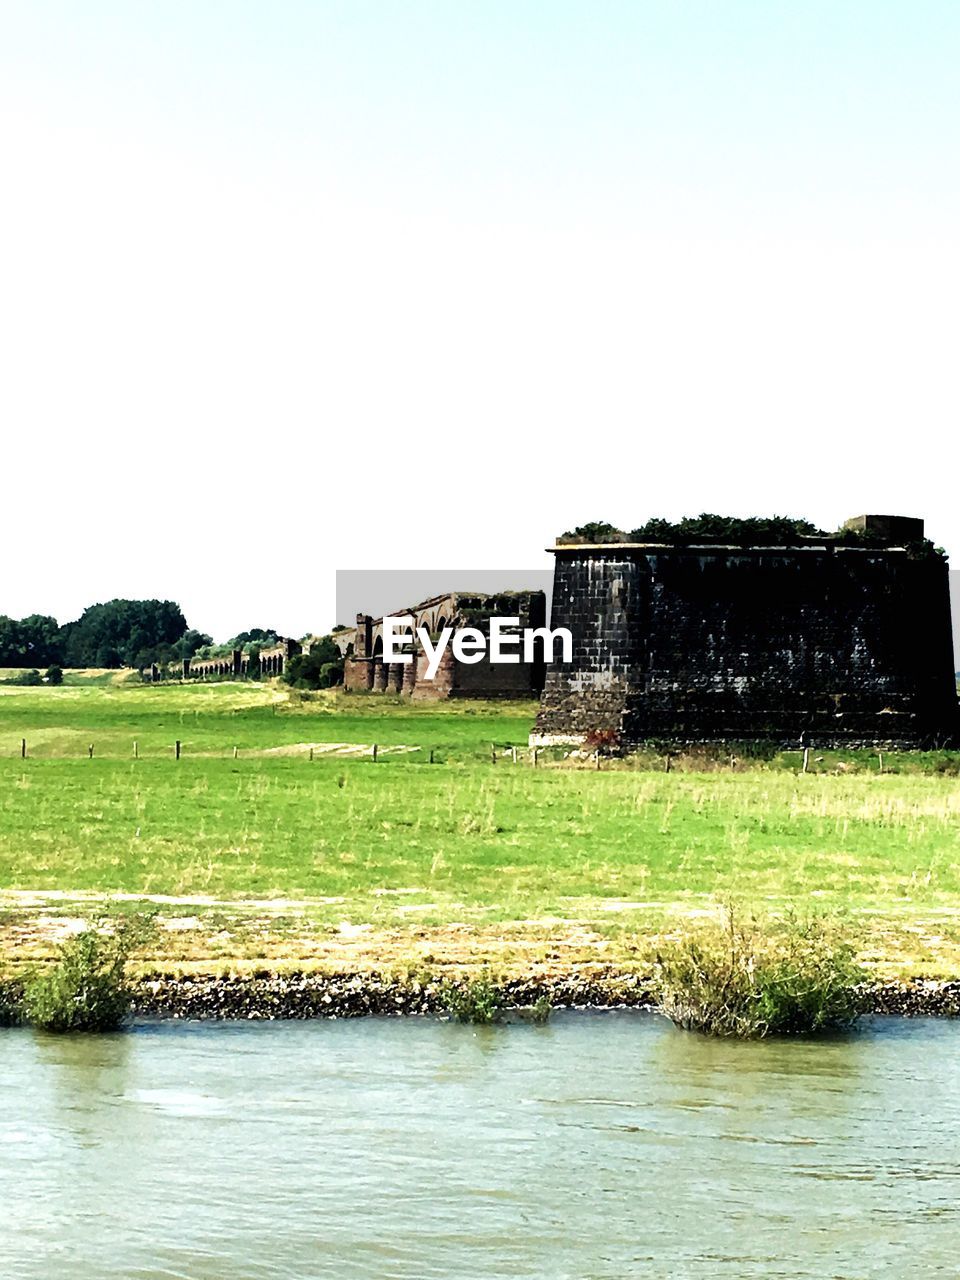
(365, 669)
(272, 662)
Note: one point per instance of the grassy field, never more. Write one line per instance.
(272, 858)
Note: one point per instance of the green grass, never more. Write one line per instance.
(544, 864)
(212, 719)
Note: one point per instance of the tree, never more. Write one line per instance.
(321, 668)
(264, 638)
(40, 636)
(31, 641)
(118, 632)
(54, 675)
(190, 642)
(105, 656)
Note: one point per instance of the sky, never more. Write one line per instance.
(296, 287)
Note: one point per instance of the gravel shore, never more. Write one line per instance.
(352, 995)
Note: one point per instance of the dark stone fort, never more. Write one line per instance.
(845, 639)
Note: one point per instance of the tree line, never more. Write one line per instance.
(119, 633)
(139, 633)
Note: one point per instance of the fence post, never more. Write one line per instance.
(493, 753)
(177, 749)
(23, 748)
(90, 750)
(374, 753)
(536, 756)
(136, 750)
(431, 755)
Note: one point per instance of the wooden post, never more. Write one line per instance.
(236, 752)
(311, 752)
(598, 757)
(375, 753)
(806, 760)
(666, 764)
(493, 753)
(431, 755)
(177, 749)
(880, 754)
(23, 748)
(90, 750)
(536, 756)
(514, 753)
(136, 750)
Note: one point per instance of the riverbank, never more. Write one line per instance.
(351, 995)
(276, 843)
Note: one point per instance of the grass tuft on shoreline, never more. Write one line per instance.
(750, 979)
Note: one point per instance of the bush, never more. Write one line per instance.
(321, 668)
(54, 675)
(476, 1000)
(29, 678)
(539, 1012)
(86, 990)
(788, 977)
(11, 994)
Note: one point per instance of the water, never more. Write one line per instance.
(604, 1145)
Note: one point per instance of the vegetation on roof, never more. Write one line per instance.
(738, 531)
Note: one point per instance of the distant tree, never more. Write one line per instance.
(255, 635)
(321, 668)
(31, 641)
(40, 635)
(118, 632)
(54, 675)
(190, 642)
(10, 647)
(105, 656)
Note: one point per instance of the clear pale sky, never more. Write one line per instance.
(290, 287)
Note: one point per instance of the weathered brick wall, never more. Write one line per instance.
(357, 674)
(453, 679)
(444, 680)
(849, 644)
(496, 680)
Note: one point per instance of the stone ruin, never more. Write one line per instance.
(838, 640)
(365, 669)
(234, 665)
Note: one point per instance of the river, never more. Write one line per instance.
(601, 1145)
